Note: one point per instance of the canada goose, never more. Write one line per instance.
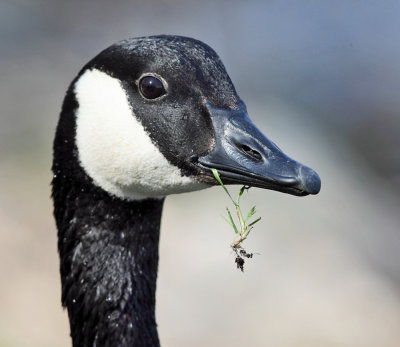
(147, 117)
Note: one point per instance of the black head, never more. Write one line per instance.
(188, 119)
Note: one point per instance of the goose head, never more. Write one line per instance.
(154, 115)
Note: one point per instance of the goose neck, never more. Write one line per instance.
(109, 259)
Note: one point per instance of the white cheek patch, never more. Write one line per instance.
(114, 148)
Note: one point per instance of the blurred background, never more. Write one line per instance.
(320, 78)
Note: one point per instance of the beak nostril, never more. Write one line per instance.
(251, 152)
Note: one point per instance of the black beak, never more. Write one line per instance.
(243, 155)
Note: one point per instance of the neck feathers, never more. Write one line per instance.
(108, 251)
(109, 258)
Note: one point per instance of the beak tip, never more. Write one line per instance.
(310, 181)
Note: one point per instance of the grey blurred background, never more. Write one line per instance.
(320, 78)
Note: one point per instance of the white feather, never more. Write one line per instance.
(114, 148)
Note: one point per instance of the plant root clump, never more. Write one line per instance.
(239, 263)
(240, 255)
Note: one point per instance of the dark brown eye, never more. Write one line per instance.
(151, 87)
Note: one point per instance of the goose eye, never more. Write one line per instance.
(151, 87)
